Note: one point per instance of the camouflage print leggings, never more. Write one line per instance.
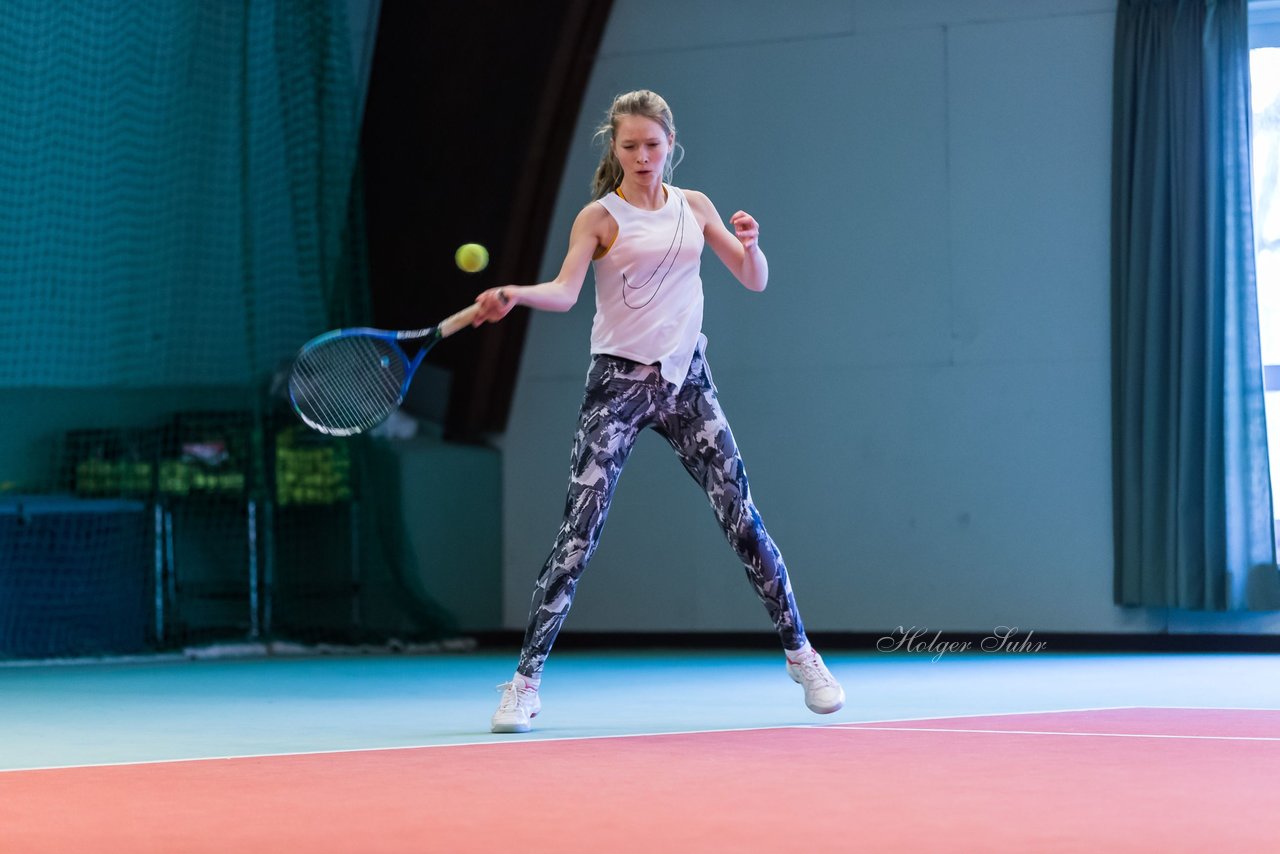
(622, 398)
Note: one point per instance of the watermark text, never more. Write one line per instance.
(1002, 639)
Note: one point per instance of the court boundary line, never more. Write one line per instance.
(1051, 732)
(875, 725)
(498, 739)
(1209, 708)
(863, 724)
(1007, 714)
(872, 725)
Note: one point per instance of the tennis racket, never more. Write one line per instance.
(350, 380)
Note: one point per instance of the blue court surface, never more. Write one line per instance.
(61, 715)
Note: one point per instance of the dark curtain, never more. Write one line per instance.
(1192, 493)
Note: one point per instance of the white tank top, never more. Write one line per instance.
(649, 287)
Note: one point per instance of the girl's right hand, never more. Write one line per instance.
(494, 304)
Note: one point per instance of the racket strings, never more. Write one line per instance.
(348, 384)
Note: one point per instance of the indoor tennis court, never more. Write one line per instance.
(391, 754)
(328, 327)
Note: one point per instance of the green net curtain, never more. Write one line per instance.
(175, 184)
(177, 215)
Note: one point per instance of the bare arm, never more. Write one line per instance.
(739, 250)
(561, 293)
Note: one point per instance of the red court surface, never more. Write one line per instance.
(1111, 780)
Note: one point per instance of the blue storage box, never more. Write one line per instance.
(74, 577)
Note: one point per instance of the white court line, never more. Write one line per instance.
(514, 738)
(498, 740)
(1050, 732)
(508, 740)
(1214, 708)
(993, 715)
(872, 724)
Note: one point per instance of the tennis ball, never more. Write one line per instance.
(471, 257)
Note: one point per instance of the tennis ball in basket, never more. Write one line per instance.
(471, 257)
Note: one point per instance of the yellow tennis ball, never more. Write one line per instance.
(471, 257)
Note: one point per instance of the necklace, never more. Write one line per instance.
(668, 259)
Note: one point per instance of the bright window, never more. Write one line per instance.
(1264, 71)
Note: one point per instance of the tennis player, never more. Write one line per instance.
(645, 238)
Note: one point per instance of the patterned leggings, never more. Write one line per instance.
(622, 398)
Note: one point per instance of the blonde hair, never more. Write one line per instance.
(641, 102)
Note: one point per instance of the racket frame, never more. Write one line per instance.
(429, 336)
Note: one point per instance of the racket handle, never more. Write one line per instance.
(464, 318)
(461, 320)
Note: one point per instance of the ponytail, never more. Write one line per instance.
(609, 171)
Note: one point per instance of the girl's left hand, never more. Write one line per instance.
(746, 229)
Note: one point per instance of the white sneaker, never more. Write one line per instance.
(822, 693)
(518, 705)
